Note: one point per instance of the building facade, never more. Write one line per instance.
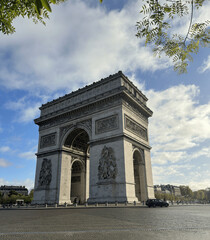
(169, 189)
(93, 145)
(5, 190)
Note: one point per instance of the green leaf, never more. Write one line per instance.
(46, 5)
(53, 1)
(167, 9)
(38, 6)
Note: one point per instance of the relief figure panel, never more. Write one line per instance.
(107, 124)
(135, 128)
(48, 140)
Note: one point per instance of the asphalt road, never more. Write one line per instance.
(175, 222)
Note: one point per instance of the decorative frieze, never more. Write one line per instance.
(134, 109)
(79, 113)
(45, 174)
(107, 124)
(77, 97)
(48, 140)
(135, 128)
(107, 169)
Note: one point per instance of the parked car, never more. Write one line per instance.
(156, 202)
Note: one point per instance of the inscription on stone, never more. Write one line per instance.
(45, 174)
(136, 128)
(107, 169)
(48, 140)
(107, 124)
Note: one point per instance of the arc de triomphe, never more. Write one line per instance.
(93, 145)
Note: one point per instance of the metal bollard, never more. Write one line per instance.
(96, 204)
(106, 204)
(46, 205)
(56, 205)
(134, 203)
(75, 205)
(86, 204)
(126, 203)
(116, 204)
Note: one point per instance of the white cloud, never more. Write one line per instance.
(205, 66)
(205, 152)
(178, 123)
(4, 149)
(28, 183)
(201, 184)
(178, 128)
(3, 182)
(27, 109)
(79, 45)
(168, 157)
(183, 174)
(4, 163)
(28, 155)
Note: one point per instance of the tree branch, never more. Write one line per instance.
(189, 24)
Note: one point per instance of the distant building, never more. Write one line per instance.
(19, 189)
(170, 189)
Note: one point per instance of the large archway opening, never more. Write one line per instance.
(139, 176)
(77, 144)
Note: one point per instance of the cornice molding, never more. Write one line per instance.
(92, 86)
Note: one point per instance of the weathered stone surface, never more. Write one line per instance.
(48, 140)
(107, 168)
(107, 124)
(92, 139)
(45, 174)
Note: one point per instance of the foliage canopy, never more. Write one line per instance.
(158, 20)
(34, 9)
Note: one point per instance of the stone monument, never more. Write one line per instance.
(93, 145)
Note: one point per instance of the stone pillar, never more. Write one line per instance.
(129, 172)
(87, 182)
(65, 179)
(149, 179)
(142, 179)
(83, 186)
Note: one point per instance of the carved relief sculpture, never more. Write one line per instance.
(136, 128)
(107, 168)
(107, 124)
(45, 174)
(48, 140)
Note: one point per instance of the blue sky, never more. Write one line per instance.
(83, 42)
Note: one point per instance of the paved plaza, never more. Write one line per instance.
(175, 222)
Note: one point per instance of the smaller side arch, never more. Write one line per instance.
(138, 154)
(78, 181)
(78, 160)
(139, 174)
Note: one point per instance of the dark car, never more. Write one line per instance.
(156, 202)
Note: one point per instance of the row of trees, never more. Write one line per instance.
(186, 195)
(13, 196)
